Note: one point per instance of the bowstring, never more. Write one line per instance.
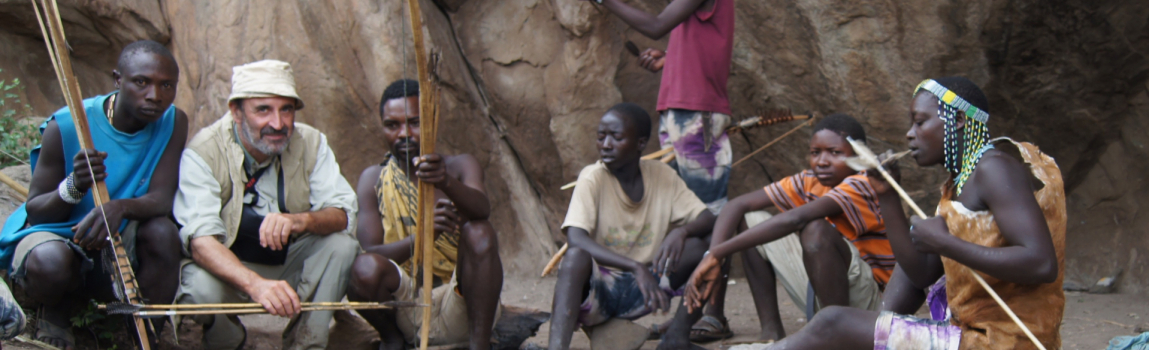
(95, 194)
(96, 189)
(406, 113)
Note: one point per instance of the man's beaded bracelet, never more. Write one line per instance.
(68, 191)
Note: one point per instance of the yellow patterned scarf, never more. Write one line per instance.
(398, 198)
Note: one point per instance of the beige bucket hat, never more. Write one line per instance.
(266, 78)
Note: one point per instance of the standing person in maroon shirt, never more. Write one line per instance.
(692, 104)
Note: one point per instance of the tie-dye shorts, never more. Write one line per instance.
(702, 152)
(615, 294)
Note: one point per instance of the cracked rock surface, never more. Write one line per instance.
(525, 81)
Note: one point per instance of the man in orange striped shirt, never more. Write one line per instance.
(830, 234)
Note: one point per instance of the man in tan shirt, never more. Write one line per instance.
(635, 231)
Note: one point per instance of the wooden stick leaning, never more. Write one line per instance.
(867, 159)
(772, 142)
(52, 28)
(555, 260)
(23, 191)
(428, 129)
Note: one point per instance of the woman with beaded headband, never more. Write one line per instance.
(1002, 214)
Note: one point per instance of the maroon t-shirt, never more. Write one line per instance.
(698, 61)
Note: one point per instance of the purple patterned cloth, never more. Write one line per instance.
(903, 332)
(894, 332)
(615, 294)
(702, 151)
(936, 299)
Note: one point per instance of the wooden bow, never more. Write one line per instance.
(428, 129)
(53, 31)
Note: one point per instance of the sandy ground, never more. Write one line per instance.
(1090, 320)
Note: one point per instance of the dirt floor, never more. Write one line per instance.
(1090, 320)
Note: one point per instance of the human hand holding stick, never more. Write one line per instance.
(866, 159)
(651, 59)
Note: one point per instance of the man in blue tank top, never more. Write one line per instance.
(52, 242)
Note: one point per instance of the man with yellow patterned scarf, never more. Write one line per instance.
(465, 300)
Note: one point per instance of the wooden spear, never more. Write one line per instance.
(56, 42)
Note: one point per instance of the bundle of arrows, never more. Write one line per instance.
(146, 310)
(766, 118)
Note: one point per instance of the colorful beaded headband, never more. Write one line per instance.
(952, 99)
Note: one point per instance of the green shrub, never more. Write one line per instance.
(16, 138)
(103, 327)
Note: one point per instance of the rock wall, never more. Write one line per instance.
(524, 82)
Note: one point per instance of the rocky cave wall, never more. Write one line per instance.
(524, 82)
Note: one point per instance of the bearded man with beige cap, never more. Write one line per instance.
(264, 213)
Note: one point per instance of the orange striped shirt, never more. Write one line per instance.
(860, 222)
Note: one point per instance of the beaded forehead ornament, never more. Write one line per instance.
(976, 132)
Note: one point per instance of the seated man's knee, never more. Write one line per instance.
(159, 237)
(480, 237)
(694, 242)
(51, 263)
(828, 320)
(368, 272)
(817, 236)
(341, 246)
(575, 258)
(198, 286)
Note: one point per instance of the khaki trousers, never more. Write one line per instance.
(790, 270)
(318, 267)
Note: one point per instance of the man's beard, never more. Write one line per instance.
(250, 137)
